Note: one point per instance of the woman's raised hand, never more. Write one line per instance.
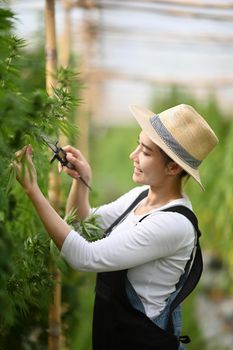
(81, 166)
(25, 169)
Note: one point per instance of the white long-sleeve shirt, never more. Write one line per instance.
(154, 251)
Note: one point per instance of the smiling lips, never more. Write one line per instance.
(137, 170)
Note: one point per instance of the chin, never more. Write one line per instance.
(137, 180)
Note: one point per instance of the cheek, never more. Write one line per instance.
(152, 167)
(147, 164)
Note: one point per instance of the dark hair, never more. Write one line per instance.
(167, 160)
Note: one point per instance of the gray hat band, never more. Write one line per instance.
(175, 147)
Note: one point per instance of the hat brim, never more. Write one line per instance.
(143, 115)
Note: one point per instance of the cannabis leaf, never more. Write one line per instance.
(89, 228)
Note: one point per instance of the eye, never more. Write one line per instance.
(143, 149)
(146, 154)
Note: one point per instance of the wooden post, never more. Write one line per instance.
(50, 46)
(87, 37)
(64, 57)
(54, 180)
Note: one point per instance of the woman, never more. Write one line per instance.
(141, 260)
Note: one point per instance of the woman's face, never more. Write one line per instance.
(149, 165)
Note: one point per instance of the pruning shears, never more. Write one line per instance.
(60, 154)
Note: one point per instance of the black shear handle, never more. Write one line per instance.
(60, 155)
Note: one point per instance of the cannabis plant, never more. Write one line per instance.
(26, 113)
(89, 228)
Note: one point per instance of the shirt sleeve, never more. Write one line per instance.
(159, 235)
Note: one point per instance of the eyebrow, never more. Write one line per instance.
(147, 147)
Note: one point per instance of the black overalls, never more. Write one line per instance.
(117, 325)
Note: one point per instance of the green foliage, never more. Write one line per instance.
(26, 113)
(89, 228)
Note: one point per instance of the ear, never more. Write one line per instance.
(174, 168)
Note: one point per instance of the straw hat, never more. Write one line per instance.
(181, 133)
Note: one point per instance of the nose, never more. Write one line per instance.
(134, 154)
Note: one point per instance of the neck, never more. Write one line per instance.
(159, 196)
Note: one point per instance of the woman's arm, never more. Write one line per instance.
(56, 227)
(78, 199)
(79, 193)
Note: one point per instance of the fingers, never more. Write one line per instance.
(81, 166)
(78, 164)
(72, 172)
(29, 150)
(19, 154)
(17, 167)
(29, 154)
(69, 148)
(25, 151)
(73, 160)
(25, 154)
(24, 168)
(60, 167)
(74, 151)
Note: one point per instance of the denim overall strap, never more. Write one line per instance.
(195, 271)
(127, 211)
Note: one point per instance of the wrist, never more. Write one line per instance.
(82, 181)
(32, 190)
